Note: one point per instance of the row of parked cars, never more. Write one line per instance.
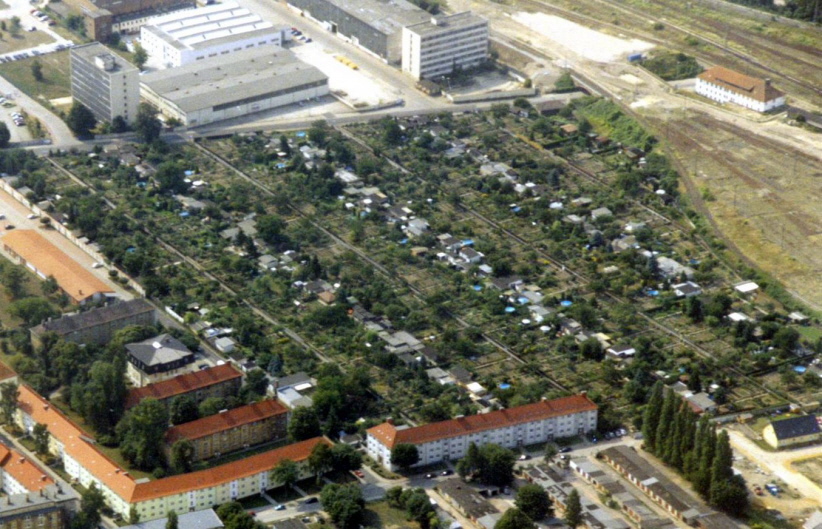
(33, 53)
(299, 35)
(42, 17)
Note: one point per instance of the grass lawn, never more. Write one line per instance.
(811, 334)
(380, 515)
(22, 40)
(254, 502)
(56, 71)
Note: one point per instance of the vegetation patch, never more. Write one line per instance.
(672, 66)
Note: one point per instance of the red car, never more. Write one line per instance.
(359, 473)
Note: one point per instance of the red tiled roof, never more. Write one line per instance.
(24, 471)
(390, 436)
(224, 473)
(752, 87)
(226, 421)
(78, 446)
(183, 384)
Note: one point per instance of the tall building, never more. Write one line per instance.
(192, 35)
(105, 83)
(727, 86)
(519, 426)
(375, 25)
(436, 47)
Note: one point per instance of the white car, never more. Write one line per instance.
(31, 216)
(97, 265)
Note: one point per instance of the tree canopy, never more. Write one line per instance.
(141, 434)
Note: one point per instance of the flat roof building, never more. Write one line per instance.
(375, 25)
(437, 47)
(104, 82)
(49, 508)
(196, 34)
(43, 258)
(206, 519)
(157, 359)
(234, 85)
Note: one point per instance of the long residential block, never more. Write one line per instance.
(727, 86)
(220, 381)
(519, 426)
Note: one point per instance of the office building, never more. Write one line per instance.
(156, 359)
(193, 35)
(727, 86)
(98, 325)
(233, 85)
(519, 426)
(227, 431)
(105, 83)
(374, 25)
(437, 47)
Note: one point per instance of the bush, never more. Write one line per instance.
(672, 66)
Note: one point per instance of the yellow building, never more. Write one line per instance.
(792, 432)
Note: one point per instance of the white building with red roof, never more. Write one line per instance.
(727, 86)
(519, 426)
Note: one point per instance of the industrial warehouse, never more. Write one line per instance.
(233, 85)
(187, 36)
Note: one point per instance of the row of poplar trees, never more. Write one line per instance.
(673, 433)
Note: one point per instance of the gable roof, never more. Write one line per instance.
(183, 384)
(25, 472)
(758, 89)
(49, 260)
(795, 427)
(96, 316)
(225, 421)
(390, 436)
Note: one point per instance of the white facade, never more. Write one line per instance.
(433, 49)
(192, 35)
(509, 436)
(105, 83)
(721, 94)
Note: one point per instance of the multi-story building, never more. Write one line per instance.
(157, 359)
(98, 325)
(220, 381)
(519, 426)
(19, 475)
(727, 86)
(104, 17)
(374, 25)
(261, 422)
(192, 35)
(152, 499)
(105, 83)
(48, 508)
(437, 47)
(233, 85)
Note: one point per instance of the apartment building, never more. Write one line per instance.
(727, 86)
(519, 426)
(48, 508)
(437, 47)
(220, 381)
(152, 499)
(157, 359)
(98, 325)
(220, 434)
(105, 83)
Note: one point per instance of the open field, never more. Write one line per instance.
(810, 468)
(56, 70)
(22, 40)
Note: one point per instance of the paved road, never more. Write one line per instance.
(57, 128)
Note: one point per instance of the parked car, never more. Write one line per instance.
(279, 507)
(565, 450)
(311, 500)
(9, 226)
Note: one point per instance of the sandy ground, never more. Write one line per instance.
(583, 41)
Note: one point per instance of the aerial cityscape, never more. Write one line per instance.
(410, 264)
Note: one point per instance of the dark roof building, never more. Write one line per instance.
(157, 358)
(98, 325)
(465, 498)
(793, 431)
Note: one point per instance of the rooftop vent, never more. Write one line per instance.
(105, 62)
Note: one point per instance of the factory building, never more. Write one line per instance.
(233, 85)
(193, 35)
(442, 44)
(375, 25)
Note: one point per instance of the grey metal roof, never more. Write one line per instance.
(447, 23)
(232, 77)
(159, 350)
(191, 520)
(96, 316)
(386, 16)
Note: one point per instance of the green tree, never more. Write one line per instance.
(345, 458)
(171, 520)
(92, 502)
(141, 434)
(170, 177)
(146, 125)
(786, 340)
(119, 124)
(256, 385)
(182, 456)
(271, 229)
(103, 397)
(49, 286)
(318, 133)
(650, 416)
(500, 110)
(15, 25)
(573, 510)
(533, 501)
(234, 516)
(211, 406)
(80, 120)
(140, 56)
(13, 278)
(304, 424)
(5, 135)
(391, 131)
(496, 465)
(405, 455)
(182, 409)
(286, 473)
(321, 460)
(9, 394)
(37, 71)
(344, 504)
(514, 518)
(564, 83)
(40, 436)
(133, 515)
(417, 505)
(32, 310)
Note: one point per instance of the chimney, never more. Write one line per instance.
(390, 421)
(767, 82)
